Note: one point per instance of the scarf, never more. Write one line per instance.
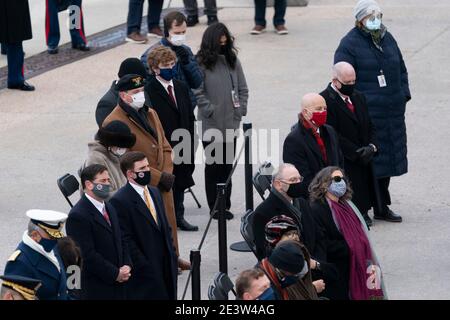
(361, 256)
(39, 249)
(317, 136)
(139, 116)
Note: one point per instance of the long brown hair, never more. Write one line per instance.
(319, 185)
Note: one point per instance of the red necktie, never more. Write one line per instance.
(172, 97)
(350, 105)
(106, 216)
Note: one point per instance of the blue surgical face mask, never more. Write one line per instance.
(374, 24)
(338, 188)
(268, 294)
(48, 244)
(167, 73)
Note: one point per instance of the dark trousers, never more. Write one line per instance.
(52, 24)
(218, 172)
(14, 54)
(191, 7)
(134, 19)
(178, 199)
(383, 185)
(3, 48)
(278, 18)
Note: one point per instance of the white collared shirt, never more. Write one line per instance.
(341, 95)
(140, 190)
(99, 205)
(166, 86)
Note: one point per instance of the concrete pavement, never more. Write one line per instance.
(44, 134)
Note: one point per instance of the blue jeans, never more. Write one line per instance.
(134, 19)
(278, 18)
(15, 63)
(191, 7)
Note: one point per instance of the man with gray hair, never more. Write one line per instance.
(349, 116)
(37, 255)
(284, 199)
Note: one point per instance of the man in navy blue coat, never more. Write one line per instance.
(94, 226)
(37, 256)
(383, 79)
(146, 232)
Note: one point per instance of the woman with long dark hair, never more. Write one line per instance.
(347, 238)
(222, 102)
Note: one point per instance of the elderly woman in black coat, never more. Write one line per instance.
(382, 77)
(348, 245)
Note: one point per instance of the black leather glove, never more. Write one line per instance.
(182, 54)
(366, 154)
(166, 181)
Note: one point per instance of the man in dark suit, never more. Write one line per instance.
(284, 199)
(146, 232)
(312, 145)
(94, 226)
(111, 98)
(15, 27)
(349, 116)
(170, 99)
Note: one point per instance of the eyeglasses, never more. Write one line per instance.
(337, 178)
(297, 180)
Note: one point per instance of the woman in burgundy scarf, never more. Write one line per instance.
(347, 238)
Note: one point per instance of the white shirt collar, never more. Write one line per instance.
(39, 249)
(99, 205)
(340, 94)
(166, 84)
(139, 189)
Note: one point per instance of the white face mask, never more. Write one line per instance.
(118, 151)
(138, 100)
(178, 39)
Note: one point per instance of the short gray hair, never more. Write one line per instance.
(278, 174)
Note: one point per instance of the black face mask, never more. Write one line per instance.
(294, 190)
(346, 89)
(143, 178)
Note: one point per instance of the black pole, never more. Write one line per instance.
(248, 167)
(195, 267)
(223, 260)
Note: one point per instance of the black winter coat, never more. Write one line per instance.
(173, 117)
(154, 274)
(300, 148)
(337, 251)
(355, 130)
(15, 21)
(102, 250)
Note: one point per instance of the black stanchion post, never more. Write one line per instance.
(248, 166)
(195, 265)
(223, 259)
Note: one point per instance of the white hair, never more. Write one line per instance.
(279, 173)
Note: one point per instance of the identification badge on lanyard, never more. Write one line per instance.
(382, 80)
(235, 98)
